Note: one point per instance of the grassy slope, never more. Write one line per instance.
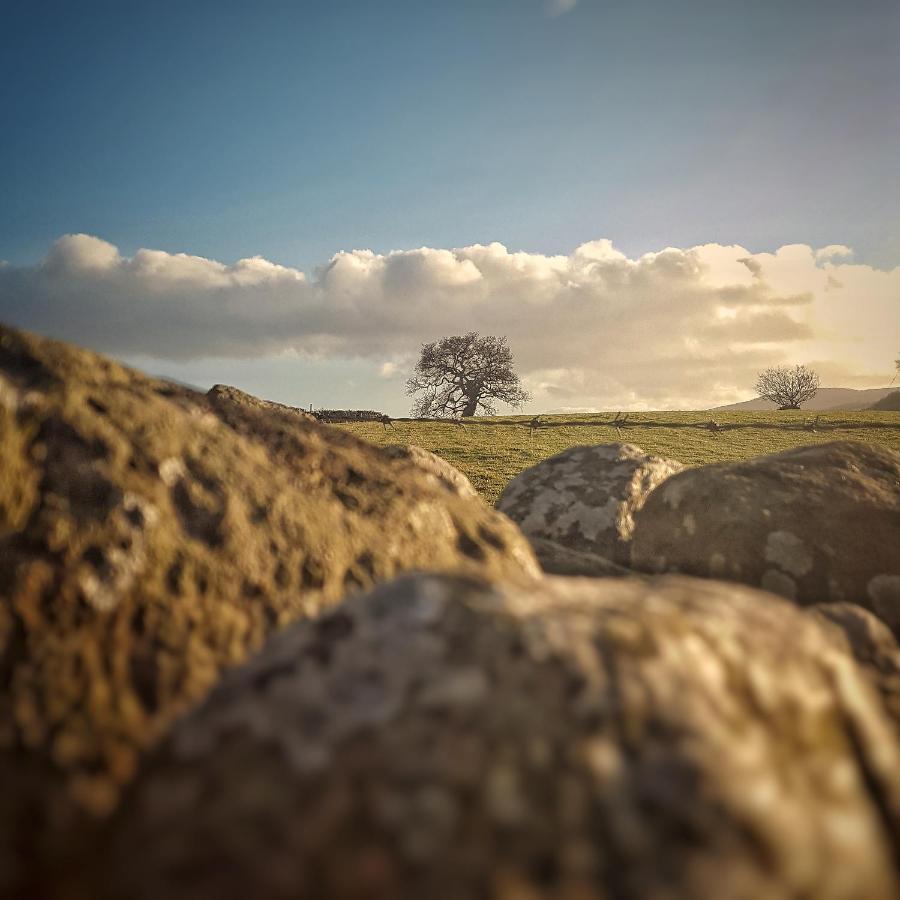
(492, 454)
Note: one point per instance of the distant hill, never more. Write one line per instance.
(826, 400)
(891, 402)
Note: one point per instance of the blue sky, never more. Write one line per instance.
(297, 130)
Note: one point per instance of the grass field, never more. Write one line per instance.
(491, 451)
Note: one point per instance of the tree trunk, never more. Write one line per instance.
(471, 406)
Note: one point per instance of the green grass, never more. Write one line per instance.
(491, 451)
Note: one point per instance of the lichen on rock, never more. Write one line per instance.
(816, 524)
(151, 536)
(585, 499)
(669, 738)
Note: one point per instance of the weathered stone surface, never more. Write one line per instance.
(448, 476)
(866, 636)
(585, 738)
(224, 397)
(555, 559)
(585, 498)
(863, 635)
(150, 537)
(814, 524)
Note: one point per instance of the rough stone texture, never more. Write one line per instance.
(224, 396)
(581, 739)
(866, 636)
(814, 524)
(555, 559)
(150, 536)
(448, 477)
(585, 497)
(871, 643)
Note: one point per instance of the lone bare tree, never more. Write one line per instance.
(461, 375)
(786, 386)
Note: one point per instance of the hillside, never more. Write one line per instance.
(890, 403)
(836, 399)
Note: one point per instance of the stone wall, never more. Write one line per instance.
(333, 416)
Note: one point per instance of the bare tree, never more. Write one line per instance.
(464, 374)
(788, 387)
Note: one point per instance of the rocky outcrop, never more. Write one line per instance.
(223, 397)
(585, 499)
(815, 524)
(151, 537)
(447, 476)
(582, 739)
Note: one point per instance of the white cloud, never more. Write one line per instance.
(833, 251)
(674, 328)
(80, 253)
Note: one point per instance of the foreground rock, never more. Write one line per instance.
(866, 636)
(583, 739)
(871, 643)
(814, 524)
(150, 537)
(585, 499)
(447, 476)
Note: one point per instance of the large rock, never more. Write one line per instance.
(582, 739)
(560, 560)
(585, 499)
(447, 476)
(224, 398)
(814, 524)
(150, 537)
(863, 635)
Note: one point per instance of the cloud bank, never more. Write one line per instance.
(682, 328)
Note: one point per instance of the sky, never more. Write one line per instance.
(652, 199)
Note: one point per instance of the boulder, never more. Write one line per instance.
(151, 536)
(864, 634)
(585, 498)
(871, 643)
(559, 560)
(582, 738)
(448, 477)
(224, 397)
(815, 524)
